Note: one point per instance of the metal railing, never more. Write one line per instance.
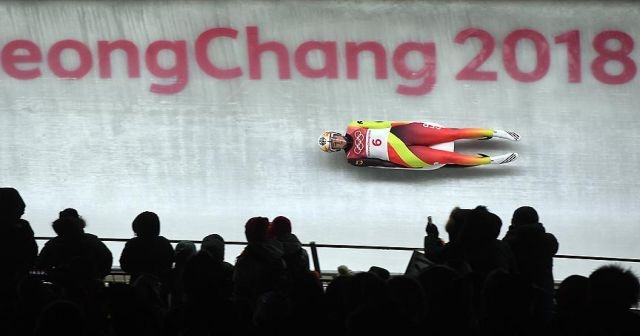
(313, 246)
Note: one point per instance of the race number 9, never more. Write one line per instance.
(376, 142)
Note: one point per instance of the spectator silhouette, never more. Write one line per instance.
(74, 258)
(451, 253)
(573, 294)
(207, 308)
(614, 291)
(408, 300)
(18, 251)
(344, 271)
(183, 252)
(432, 241)
(259, 268)
(370, 309)
(307, 295)
(482, 249)
(148, 252)
(272, 282)
(18, 248)
(507, 302)
(533, 249)
(447, 301)
(296, 257)
(214, 246)
(34, 295)
(380, 272)
(61, 318)
(77, 262)
(135, 309)
(206, 279)
(335, 304)
(573, 298)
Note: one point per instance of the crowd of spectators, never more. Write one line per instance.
(476, 284)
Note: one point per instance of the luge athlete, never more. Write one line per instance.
(394, 144)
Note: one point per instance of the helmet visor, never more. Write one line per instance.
(336, 142)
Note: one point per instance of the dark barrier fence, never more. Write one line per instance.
(313, 246)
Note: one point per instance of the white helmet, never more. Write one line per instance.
(325, 143)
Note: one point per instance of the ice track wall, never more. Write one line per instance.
(208, 113)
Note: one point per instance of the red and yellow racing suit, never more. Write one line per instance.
(407, 144)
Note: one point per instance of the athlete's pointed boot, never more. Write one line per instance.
(505, 158)
(509, 135)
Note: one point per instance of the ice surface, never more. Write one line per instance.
(218, 151)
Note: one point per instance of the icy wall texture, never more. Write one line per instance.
(189, 117)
